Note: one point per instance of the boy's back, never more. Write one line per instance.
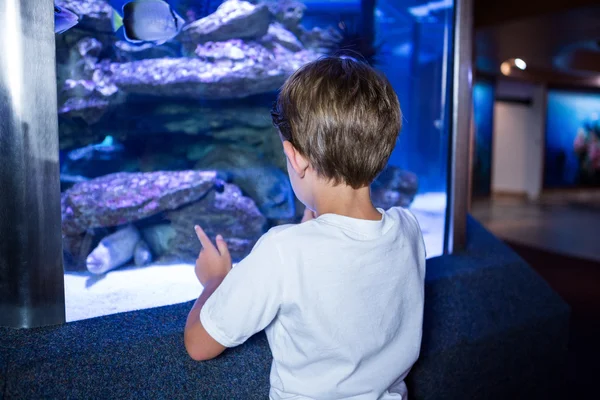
(339, 296)
(344, 305)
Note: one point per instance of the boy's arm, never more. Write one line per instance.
(199, 344)
(235, 307)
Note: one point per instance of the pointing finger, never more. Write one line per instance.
(204, 240)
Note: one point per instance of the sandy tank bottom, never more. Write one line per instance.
(133, 288)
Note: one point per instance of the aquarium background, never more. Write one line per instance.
(572, 151)
(483, 111)
(155, 138)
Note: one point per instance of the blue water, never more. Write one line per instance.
(140, 96)
(567, 113)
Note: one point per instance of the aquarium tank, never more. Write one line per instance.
(572, 151)
(164, 123)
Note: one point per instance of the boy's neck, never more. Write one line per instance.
(346, 201)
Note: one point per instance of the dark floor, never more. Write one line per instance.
(559, 239)
(568, 226)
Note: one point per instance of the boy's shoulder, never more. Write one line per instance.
(402, 212)
(280, 233)
(274, 234)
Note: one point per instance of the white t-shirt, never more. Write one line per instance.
(340, 300)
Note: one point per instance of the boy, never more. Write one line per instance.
(340, 295)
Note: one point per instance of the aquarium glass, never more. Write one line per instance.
(483, 112)
(572, 153)
(164, 123)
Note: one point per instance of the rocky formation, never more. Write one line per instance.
(266, 184)
(123, 197)
(163, 206)
(234, 19)
(244, 69)
(240, 50)
(225, 212)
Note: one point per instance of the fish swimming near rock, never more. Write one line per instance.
(64, 19)
(142, 254)
(148, 21)
(102, 150)
(113, 251)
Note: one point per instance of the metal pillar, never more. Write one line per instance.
(31, 269)
(459, 160)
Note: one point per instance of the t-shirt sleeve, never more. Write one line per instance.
(417, 231)
(249, 297)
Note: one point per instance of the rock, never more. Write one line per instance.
(229, 213)
(260, 71)
(234, 19)
(163, 206)
(288, 12)
(240, 50)
(76, 248)
(266, 184)
(89, 48)
(225, 156)
(125, 51)
(320, 40)
(278, 34)
(121, 198)
(270, 188)
(90, 108)
(87, 92)
(394, 187)
(113, 251)
(93, 14)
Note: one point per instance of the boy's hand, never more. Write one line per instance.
(213, 262)
(308, 215)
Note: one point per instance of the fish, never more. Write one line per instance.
(142, 254)
(64, 19)
(113, 250)
(148, 21)
(104, 150)
(73, 178)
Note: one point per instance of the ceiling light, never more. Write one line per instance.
(520, 64)
(505, 68)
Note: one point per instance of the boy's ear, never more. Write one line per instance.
(299, 164)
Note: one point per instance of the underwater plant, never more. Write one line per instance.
(354, 41)
(357, 35)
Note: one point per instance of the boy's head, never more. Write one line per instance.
(338, 118)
